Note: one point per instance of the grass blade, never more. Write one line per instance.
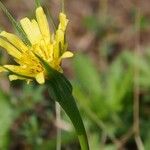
(15, 24)
(51, 19)
(37, 3)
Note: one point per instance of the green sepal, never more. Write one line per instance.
(16, 25)
(51, 19)
(61, 91)
(37, 3)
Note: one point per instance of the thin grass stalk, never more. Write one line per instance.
(136, 100)
(15, 24)
(63, 6)
(37, 3)
(58, 119)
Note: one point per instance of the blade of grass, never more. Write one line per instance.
(51, 19)
(58, 118)
(37, 3)
(15, 24)
(63, 6)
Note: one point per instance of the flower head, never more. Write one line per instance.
(50, 47)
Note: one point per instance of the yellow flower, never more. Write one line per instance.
(51, 47)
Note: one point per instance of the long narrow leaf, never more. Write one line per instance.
(37, 3)
(63, 5)
(15, 24)
(50, 17)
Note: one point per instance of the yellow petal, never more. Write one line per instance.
(20, 70)
(36, 32)
(61, 29)
(40, 78)
(67, 54)
(59, 39)
(2, 69)
(28, 81)
(10, 49)
(13, 68)
(15, 77)
(32, 30)
(60, 36)
(63, 21)
(45, 49)
(43, 24)
(13, 39)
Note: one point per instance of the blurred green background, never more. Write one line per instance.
(110, 73)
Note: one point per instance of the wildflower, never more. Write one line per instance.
(52, 48)
(39, 55)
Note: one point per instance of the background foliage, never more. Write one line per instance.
(111, 61)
